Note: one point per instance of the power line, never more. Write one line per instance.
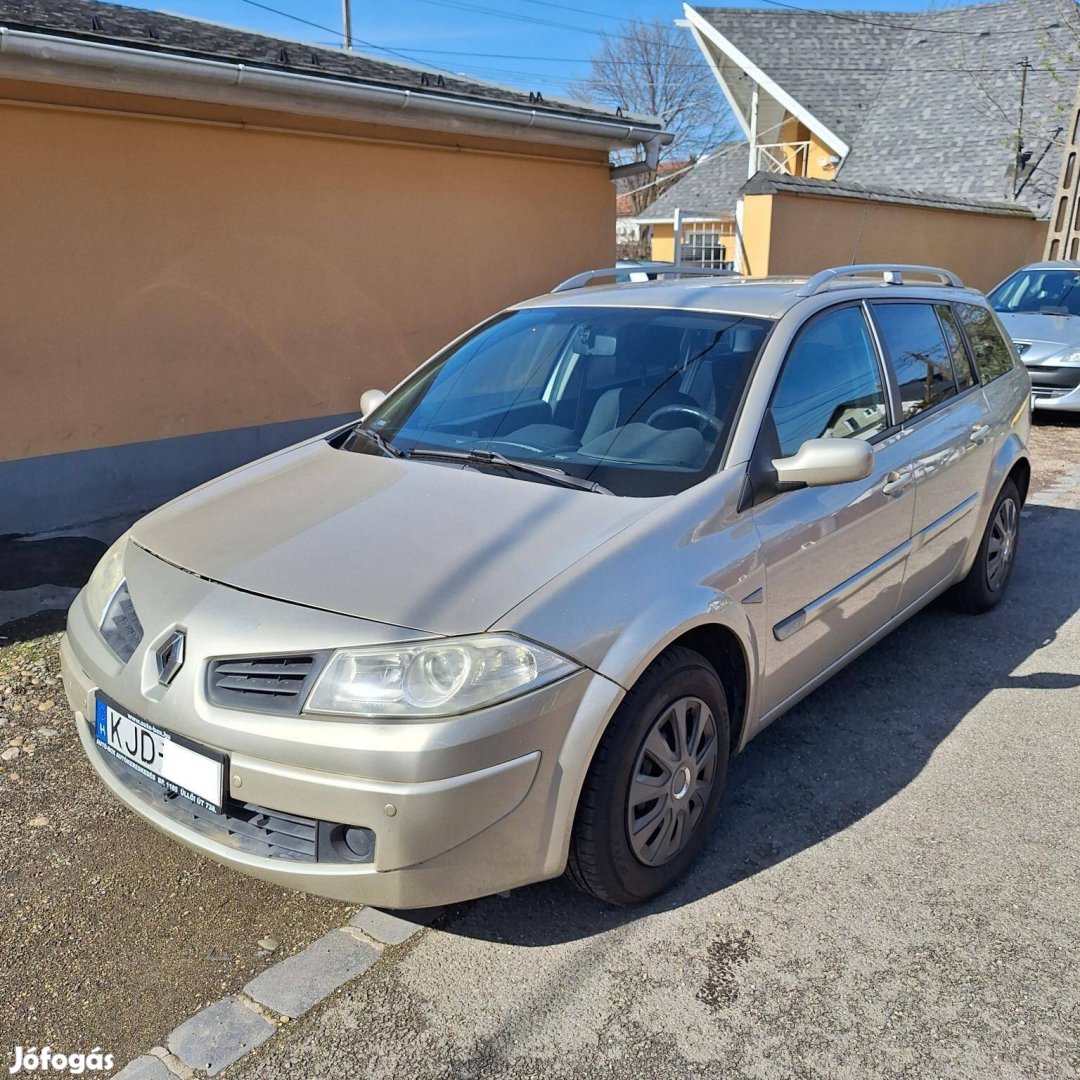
(463, 5)
(331, 30)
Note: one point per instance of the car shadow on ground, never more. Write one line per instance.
(847, 749)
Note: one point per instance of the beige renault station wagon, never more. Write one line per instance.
(517, 620)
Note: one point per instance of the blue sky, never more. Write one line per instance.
(527, 51)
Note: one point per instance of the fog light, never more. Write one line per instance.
(361, 842)
(345, 843)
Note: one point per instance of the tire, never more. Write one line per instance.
(607, 859)
(988, 579)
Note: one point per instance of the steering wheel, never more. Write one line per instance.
(690, 410)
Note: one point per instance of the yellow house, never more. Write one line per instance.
(215, 240)
(704, 201)
(951, 112)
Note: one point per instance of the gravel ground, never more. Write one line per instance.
(111, 934)
(891, 893)
(1055, 446)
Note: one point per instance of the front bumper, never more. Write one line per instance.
(1055, 388)
(459, 808)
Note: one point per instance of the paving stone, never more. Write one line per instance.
(219, 1035)
(387, 928)
(294, 985)
(144, 1068)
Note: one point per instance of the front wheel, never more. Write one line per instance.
(654, 786)
(989, 576)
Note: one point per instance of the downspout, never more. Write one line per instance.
(647, 165)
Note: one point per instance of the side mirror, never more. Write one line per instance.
(370, 400)
(820, 462)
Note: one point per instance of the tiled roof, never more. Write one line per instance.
(765, 183)
(831, 67)
(710, 189)
(624, 198)
(920, 104)
(153, 31)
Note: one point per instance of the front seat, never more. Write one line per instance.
(635, 404)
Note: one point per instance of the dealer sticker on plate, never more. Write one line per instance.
(178, 765)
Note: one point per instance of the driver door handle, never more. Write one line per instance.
(897, 481)
(979, 432)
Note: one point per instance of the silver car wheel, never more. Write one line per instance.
(1002, 546)
(671, 781)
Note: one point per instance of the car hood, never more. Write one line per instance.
(1041, 337)
(414, 544)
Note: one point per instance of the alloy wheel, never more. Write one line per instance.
(671, 781)
(1002, 545)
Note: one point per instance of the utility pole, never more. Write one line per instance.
(1022, 158)
(346, 22)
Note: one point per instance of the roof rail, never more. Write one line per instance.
(891, 274)
(653, 269)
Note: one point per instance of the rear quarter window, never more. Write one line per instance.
(993, 357)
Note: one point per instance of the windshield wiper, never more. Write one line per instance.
(489, 457)
(387, 448)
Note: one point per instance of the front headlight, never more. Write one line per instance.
(444, 677)
(1069, 358)
(105, 580)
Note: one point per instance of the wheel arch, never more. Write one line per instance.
(725, 652)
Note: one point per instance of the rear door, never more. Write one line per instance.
(834, 556)
(947, 434)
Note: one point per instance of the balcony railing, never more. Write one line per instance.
(789, 158)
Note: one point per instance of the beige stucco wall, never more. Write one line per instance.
(169, 276)
(799, 234)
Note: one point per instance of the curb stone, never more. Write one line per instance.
(221, 1034)
(230, 1028)
(300, 982)
(144, 1068)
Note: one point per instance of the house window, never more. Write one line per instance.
(702, 246)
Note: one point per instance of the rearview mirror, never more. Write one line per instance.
(371, 400)
(820, 462)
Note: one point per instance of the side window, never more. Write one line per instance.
(965, 376)
(830, 386)
(993, 357)
(915, 343)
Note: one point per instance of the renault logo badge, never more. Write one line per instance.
(170, 657)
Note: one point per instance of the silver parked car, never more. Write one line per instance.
(1039, 306)
(518, 619)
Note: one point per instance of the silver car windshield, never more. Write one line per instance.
(1039, 292)
(638, 401)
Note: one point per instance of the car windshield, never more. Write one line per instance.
(639, 401)
(1041, 292)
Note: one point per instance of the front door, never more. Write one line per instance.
(834, 556)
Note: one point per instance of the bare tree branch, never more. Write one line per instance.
(650, 68)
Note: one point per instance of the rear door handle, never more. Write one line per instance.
(979, 432)
(897, 481)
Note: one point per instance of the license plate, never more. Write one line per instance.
(177, 764)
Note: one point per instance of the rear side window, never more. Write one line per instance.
(962, 369)
(916, 345)
(993, 357)
(830, 387)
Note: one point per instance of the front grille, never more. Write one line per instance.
(276, 684)
(121, 628)
(1054, 378)
(269, 834)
